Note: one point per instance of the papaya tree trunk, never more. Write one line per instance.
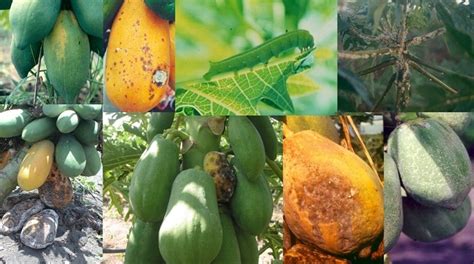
(8, 175)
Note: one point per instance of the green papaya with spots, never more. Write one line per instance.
(393, 212)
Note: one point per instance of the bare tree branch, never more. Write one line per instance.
(366, 54)
(379, 66)
(420, 39)
(432, 77)
(389, 85)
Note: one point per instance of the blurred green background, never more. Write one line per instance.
(212, 30)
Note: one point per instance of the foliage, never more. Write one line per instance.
(397, 44)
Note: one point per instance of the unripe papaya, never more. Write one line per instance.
(87, 132)
(431, 224)
(158, 123)
(204, 141)
(245, 140)
(457, 121)
(70, 156)
(13, 121)
(152, 179)
(163, 8)
(5, 4)
(38, 129)
(88, 111)
(32, 20)
(24, 60)
(191, 231)
(248, 247)
(89, 16)
(35, 167)
(432, 161)
(67, 56)
(93, 161)
(67, 121)
(111, 8)
(267, 133)
(54, 110)
(333, 199)
(142, 245)
(393, 213)
(229, 252)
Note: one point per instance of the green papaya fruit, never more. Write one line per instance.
(204, 141)
(229, 252)
(87, 132)
(54, 110)
(32, 20)
(5, 4)
(152, 179)
(67, 56)
(111, 7)
(93, 161)
(267, 133)
(431, 224)
(252, 204)
(247, 146)
(88, 111)
(24, 60)
(248, 247)
(97, 45)
(67, 121)
(158, 123)
(191, 231)
(393, 217)
(89, 16)
(457, 121)
(433, 163)
(163, 8)
(13, 121)
(70, 156)
(142, 245)
(38, 129)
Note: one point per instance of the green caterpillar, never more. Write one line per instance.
(301, 39)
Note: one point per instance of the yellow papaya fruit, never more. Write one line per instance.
(35, 167)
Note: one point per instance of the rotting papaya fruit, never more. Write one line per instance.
(323, 125)
(13, 121)
(32, 20)
(137, 72)
(229, 252)
(245, 139)
(24, 60)
(57, 191)
(153, 178)
(313, 213)
(203, 141)
(251, 204)
(433, 163)
(393, 213)
(70, 156)
(431, 224)
(301, 253)
(267, 133)
(67, 56)
(90, 20)
(38, 129)
(142, 245)
(35, 167)
(191, 231)
(217, 166)
(158, 123)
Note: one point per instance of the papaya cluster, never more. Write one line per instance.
(428, 161)
(139, 74)
(204, 205)
(63, 141)
(66, 31)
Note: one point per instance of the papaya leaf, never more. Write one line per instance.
(118, 155)
(240, 93)
(301, 85)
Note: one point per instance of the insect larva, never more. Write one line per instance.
(300, 39)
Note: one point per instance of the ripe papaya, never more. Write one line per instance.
(35, 167)
(229, 252)
(163, 8)
(203, 140)
(252, 204)
(432, 161)
(38, 129)
(13, 121)
(393, 213)
(142, 245)
(267, 133)
(245, 139)
(191, 231)
(152, 179)
(217, 166)
(329, 194)
(67, 56)
(457, 121)
(5, 4)
(87, 132)
(70, 156)
(431, 224)
(93, 161)
(32, 20)
(111, 8)
(67, 121)
(248, 247)
(137, 72)
(54, 110)
(24, 60)
(88, 111)
(158, 123)
(88, 15)
(323, 125)
(97, 45)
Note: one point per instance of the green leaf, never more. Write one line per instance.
(301, 85)
(118, 155)
(239, 94)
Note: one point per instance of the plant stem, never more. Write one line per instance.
(272, 164)
(379, 66)
(432, 77)
(346, 133)
(366, 54)
(420, 39)
(389, 85)
(37, 75)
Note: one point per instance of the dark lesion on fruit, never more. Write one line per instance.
(223, 173)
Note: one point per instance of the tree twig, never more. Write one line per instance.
(113, 250)
(389, 85)
(432, 77)
(272, 164)
(436, 68)
(366, 54)
(346, 133)
(37, 74)
(377, 67)
(420, 39)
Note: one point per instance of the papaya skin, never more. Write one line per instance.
(137, 68)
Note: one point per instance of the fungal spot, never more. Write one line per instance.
(160, 77)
